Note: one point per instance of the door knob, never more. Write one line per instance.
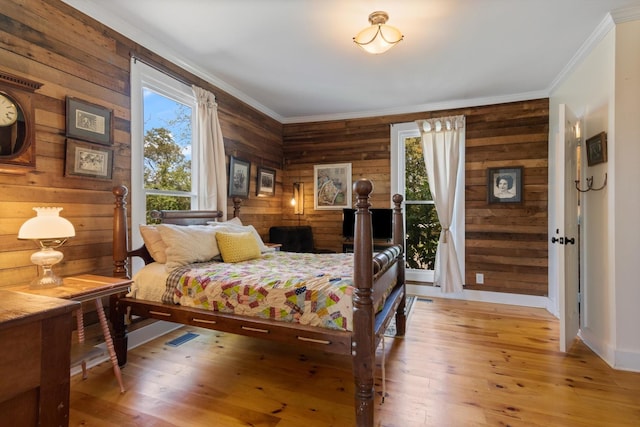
(570, 241)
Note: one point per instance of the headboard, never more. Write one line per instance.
(185, 217)
(121, 251)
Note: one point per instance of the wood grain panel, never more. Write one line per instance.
(73, 55)
(503, 135)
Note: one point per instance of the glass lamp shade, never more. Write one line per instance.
(379, 37)
(49, 230)
(47, 225)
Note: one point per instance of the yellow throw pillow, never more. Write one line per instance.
(236, 247)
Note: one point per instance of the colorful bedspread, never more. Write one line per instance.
(304, 288)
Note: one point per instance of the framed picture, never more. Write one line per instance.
(504, 185)
(266, 182)
(332, 186)
(239, 175)
(597, 149)
(89, 122)
(88, 160)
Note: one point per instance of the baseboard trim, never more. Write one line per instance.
(617, 359)
(482, 296)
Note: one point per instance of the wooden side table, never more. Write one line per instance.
(83, 288)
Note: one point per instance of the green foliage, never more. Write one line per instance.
(423, 232)
(165, 165)
(160, 202)
(167, 157)
(422, 225)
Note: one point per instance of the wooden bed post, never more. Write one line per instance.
(120, 234)
(398, 239)
(363, 344)
(237, 201)
(120, 248)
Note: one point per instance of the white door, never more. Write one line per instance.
(567, 228)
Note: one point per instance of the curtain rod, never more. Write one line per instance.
(163, 70)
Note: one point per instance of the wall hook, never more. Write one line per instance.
(590, 184)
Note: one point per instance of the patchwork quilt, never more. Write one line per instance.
(304, 288)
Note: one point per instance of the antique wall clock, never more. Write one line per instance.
(17, 124)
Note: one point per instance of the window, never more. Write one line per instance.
(167, 147)
(162, 145)
(422, 228)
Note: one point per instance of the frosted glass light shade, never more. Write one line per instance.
(48, 224)
(379, 37)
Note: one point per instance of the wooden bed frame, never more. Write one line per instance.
(372, 275)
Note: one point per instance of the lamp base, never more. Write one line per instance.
(46, 281)
(46, 258)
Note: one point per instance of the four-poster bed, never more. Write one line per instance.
(376, 294)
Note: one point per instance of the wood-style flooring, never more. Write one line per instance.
(461, 364)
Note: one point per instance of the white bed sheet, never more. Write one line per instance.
(149, 283)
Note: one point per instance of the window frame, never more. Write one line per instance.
(146, 77)
(399, 132)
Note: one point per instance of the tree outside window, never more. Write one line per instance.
(167, 171)
(421, 220)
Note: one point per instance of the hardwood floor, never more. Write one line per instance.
(460, 364)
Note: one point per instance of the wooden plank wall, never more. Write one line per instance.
(73, 55)
(507, 243)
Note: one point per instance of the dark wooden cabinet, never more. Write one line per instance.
(35, 345)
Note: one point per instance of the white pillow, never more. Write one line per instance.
(188, 244)
(232, 221)
(154, 243)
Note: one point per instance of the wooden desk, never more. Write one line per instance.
(35, 346)
(88, 287)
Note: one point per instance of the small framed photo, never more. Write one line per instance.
(88, 160)
(596, 149)
(239, 175)
(89, 122)
(332, 186)
(266, 182)
(504, 185)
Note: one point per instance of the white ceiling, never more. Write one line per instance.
(295, 59)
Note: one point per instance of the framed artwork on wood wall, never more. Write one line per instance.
(88, 160)
(266, 182)
(239, 175)
(504, 185)
(332, 186)
(89, 122)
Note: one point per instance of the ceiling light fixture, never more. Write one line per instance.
(379, 37)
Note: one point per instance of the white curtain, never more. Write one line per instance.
(441, 142)
(211, 166)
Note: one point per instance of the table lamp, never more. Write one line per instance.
(50, 231)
